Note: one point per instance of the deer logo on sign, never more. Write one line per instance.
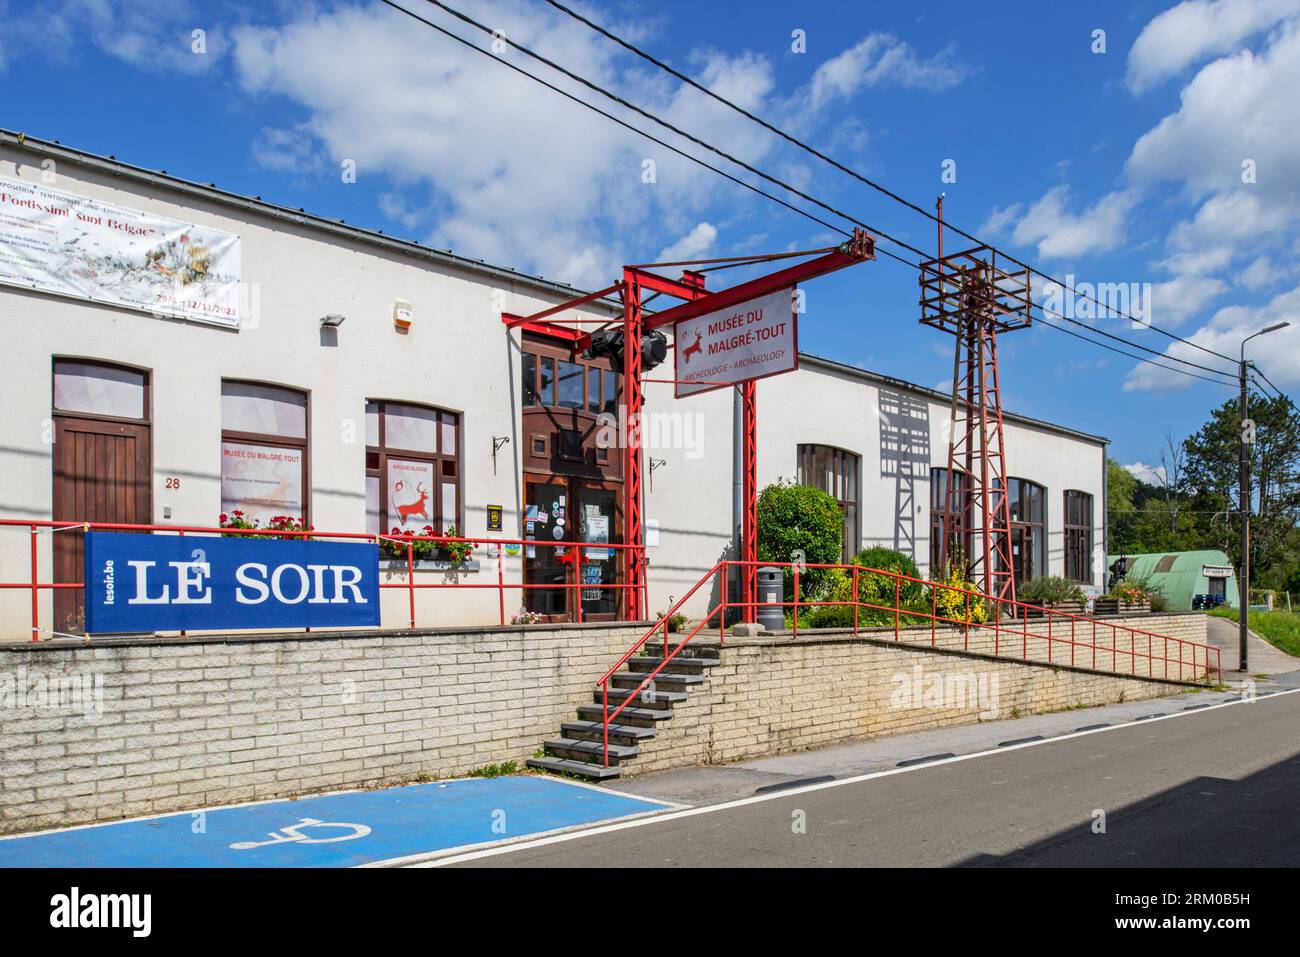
(418, 506)
(693, 349)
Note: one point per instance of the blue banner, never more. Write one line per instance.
(143, 583)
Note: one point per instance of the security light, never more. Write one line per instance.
(332, 321)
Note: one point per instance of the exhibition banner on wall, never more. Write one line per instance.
(77, 246)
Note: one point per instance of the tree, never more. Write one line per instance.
(1211, 475)
(799, 520)
(1121, 486)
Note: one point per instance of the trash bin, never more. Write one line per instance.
(771, 587)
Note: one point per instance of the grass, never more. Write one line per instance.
(495, 770)
(1279, 628)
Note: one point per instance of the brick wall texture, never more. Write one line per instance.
(180, 724)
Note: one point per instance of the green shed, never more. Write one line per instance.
(1180, 576)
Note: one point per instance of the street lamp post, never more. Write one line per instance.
(1243, 494)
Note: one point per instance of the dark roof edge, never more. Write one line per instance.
(833, 365)
(117, 168)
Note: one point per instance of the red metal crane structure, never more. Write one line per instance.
(695, 301)
(969, 295)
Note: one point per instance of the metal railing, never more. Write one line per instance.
(1004, 620)
(398, 545)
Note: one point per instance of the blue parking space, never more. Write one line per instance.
(333, 830)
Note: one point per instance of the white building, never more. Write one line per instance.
(117, 413)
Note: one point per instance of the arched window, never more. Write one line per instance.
(835, 471)
(412, 468)
(264, 454)
(938, 506)
(1027, 502)
(1078, 536)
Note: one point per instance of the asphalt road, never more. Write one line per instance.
(1215, 787)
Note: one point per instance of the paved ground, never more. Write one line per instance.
(711, 785)
(1210, 786)
(1262, 657)
(332, 830)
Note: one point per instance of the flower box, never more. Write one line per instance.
(1116, 606)
(1072, 607)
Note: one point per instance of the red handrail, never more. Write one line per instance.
(36, 586)
(998, 607)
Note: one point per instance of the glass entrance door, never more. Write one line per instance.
(545, 521)
(598, 523)
(562, 509)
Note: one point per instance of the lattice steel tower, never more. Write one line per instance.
(970, 296)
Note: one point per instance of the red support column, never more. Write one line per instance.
(749, 529)
(633, 526)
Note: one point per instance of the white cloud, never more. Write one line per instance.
(1277, 355)
(517, 174)
(151, 35)
(1175, 301)
(1152, 475)
(1260, 274)
(882, 59)
(395, 207)
(1000, 219)
(1195, 30)
(1239, 108)
(691, 246)
(1060, 232)
(287, 151)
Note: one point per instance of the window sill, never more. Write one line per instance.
(427, 565)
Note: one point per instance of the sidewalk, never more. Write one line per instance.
(1263, 658)
(716, 784)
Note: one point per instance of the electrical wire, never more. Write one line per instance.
(845, 169)
(846, 216)
(609, 116)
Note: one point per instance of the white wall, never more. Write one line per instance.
(457, 356)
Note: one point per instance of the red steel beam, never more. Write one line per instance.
(511, 320)
(862, 247)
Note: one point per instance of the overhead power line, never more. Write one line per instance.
(703, 144)
(697, 160)
(610, 116)
(848, 170)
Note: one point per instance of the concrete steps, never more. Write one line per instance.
(581, 749)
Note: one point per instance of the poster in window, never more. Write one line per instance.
(592, 575)
(410, 506)
(262, 481)
(597, 531)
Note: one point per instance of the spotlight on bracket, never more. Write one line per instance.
(609, 345)
(332, 321)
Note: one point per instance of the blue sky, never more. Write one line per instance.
(1123, 166)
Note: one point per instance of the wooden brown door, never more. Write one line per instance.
(101, 474)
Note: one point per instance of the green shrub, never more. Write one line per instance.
(881, 589)
(799, 518)
(1049, 589)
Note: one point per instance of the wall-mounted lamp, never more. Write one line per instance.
(497, 442)
(332, 321)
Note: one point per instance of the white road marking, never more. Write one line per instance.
(794, 792)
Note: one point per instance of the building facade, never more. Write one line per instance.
(366, 384)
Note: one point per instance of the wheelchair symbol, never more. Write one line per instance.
(293, 835)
